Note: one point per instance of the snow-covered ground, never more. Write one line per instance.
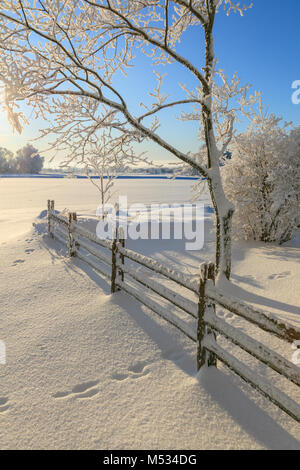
(89, 370)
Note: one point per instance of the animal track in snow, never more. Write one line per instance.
(83, 390)
(29, 250)
(134, 372)
(18, 261)
(84, 386)
(137, 368)
(280, 275)
(61, 394)
(228, 316)
(3, 404)
(120, 377)
(88, 393)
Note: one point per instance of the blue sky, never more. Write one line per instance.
(263, 47)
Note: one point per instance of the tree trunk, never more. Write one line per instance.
(223, 214)
(223, 208)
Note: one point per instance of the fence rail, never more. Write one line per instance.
(206, 296)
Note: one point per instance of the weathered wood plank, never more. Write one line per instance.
(158, 309)
(158, 268)
(277, 397)
(59, 219)
(93, 251)
(176, 299)
(269, 323)
(92, 264)
(258, 350)
(91, 236)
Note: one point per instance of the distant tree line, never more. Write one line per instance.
(25, 161)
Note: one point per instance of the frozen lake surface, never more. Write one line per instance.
(22, 200)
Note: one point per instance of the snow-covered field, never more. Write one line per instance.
(89, 370)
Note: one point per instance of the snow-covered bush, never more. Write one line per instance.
(6, 160)
(262, 180)
(294, 157)
(28, 160)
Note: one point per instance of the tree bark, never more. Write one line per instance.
(224, 210)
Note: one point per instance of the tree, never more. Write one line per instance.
(28, 161)
(293, 156)
(6, 161)
(63, 58)
(262, 180)
(105, 158)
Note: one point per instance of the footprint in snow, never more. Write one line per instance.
(134, 372)
(228, 316)
(4, 406)
(137, 368)
(29, 250)
(280, 275)
(83, 390)
(18, 261)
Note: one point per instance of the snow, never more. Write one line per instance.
(22, 199)
(90, 370)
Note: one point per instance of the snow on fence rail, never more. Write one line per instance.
(81, 242)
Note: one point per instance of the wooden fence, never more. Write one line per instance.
(203, 310)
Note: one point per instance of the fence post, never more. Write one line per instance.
(204, 357)
(71, 239)
(73, 220)
(201, 310)
(114, 250)
(211, 358)
(49, 216)
(122, 257)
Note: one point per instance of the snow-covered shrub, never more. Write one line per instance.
(294, 158)
(6, 161)
(262, 180)
(28, 160)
